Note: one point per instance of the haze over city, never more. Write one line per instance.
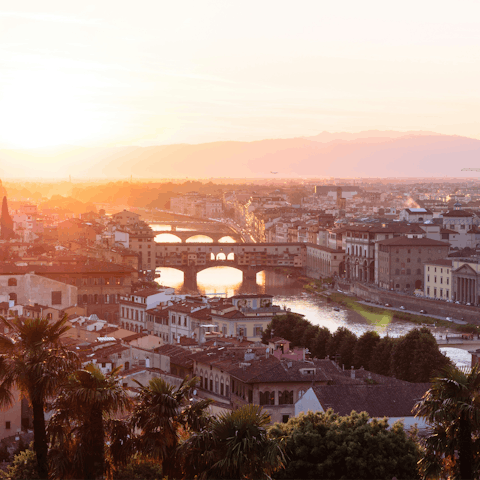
(239, 240)
(167, 73)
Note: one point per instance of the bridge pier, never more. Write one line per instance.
(190, 279)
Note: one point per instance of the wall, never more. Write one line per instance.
(33, 289)
(469, 314)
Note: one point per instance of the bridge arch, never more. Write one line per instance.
(167, 237)
(202, 238)
(226, 239)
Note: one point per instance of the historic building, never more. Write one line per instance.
(401, 260)
(438, 279)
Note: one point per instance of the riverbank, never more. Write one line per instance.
(380, 315)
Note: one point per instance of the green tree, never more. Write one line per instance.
(326, 445)
(416, 356)
(77, 427)
(452, 407)
(24, 466)
(35, 361)
(290, 326)
(162, 414)
(364, 349)
(234, 445)
(342, 344)
(320, 342)
(381, 357)
(139, 469)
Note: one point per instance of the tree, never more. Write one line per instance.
(24, 466)
(234, 445)
(416, 357)
(35, 361)
(342, 343)
(77, 427)
(326, 445)
(290, 326)
(452, 406)
(364, 348)
(380, 359)
(320, 342)
(162, 413)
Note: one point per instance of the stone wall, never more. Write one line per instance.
(433, 307)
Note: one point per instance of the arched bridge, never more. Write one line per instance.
(215, 236)
(250, 258)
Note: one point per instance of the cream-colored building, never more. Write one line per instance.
(438, 279)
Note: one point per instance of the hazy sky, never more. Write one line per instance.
(158, 72)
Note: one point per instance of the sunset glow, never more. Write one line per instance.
(164, 73)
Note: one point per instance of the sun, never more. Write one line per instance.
(43, 109)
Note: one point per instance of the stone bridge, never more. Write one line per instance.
(250, 258)
(215, 236)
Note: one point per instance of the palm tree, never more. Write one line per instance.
(34, 360)
(234, 445)
(77, 426)
(162, 414)
(452, 406)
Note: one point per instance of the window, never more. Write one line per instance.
(56, 298)
(7, 425)
(428, 278)
(434, 292)
(441, 279)
(419, 272)
(285, 418)
(12, 282)
(409, 272)
(447, 293)
(441, 292)
(408, 260)
(428, 291)
(435, 279)
(447, 280)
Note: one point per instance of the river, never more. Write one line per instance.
(288, 293)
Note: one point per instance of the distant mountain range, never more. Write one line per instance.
(365, 154)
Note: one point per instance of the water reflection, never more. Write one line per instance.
(167, 238)
(199, 239)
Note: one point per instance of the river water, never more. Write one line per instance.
(289, 294)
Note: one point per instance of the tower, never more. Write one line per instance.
(6, 222)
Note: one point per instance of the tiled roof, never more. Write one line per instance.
(413, 242)
(376, 400)
(443, 261)
(147, 292)
(457, 213)
(178, 355)
(272, 370)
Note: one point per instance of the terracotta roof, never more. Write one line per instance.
(458, 213)
(178, 355)
(413, 242)
(443, 262)
(147, 292)
(273, 370)
(376, 400)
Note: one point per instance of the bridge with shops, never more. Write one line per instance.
(250, 258)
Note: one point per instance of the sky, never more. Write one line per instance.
(150, 72)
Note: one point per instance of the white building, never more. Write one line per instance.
(438, 279)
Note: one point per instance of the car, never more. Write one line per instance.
(469, 304)
(423, 311)
(387, 305)
(449, 319)
(402, 307)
